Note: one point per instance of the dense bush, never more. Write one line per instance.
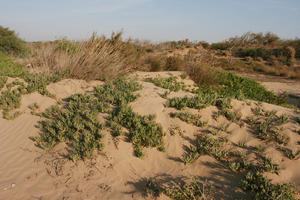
(11, 44)
(174, 63)
(220, 46)
(285, 54)
(295, 44)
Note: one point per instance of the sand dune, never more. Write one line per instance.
(28, 172)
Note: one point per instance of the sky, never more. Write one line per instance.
(155, 20)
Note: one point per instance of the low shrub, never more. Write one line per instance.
(220, 46)
(174, 63)
(284, 54)
(187, 191)
(167, 83)
(11, 44)
(10, 68)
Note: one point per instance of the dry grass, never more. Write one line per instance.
(96, 58)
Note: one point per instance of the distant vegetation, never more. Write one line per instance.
(11, 44)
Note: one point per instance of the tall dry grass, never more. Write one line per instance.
(96, 58)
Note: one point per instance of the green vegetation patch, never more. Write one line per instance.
(190, 118)
(266, 125)
(76, 123)
(187, 191)
(3, 80)
(10, 98)
(11, 44)
(10, 68)
(262, 187)
(253, 179)
(229, 86)
(170, 83)
(144, 132)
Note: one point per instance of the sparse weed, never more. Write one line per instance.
(259, 148)
(224, 106)
(206, 145)
(3, 80)
(200, 101)
(183, 75)
(165, 94)
(190, 118)
(289, 153)
(33, 106)
(174, 130)
(263, 189)
(266, 125)
(187, 191)
(167, 83)
(241, 144)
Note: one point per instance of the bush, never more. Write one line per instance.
(220, 46)
(157, 63)
(174, 63)
(236, 87)
(202, 74)
(295, 44)
(10, 44)
(10, 68)
(284, 54)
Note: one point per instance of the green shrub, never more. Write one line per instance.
(200, 101)
(3, 80)
(267, 125)
(190, 118)
(10, 68)
(264, 189)
(187, 191)
(144, 132)
(11, 44)
(283, 54)
(242, 87)
(220, 46)
(167, 83)
(76, 124)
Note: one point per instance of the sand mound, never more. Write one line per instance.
(28, 172)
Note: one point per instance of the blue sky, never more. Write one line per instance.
(156, 20)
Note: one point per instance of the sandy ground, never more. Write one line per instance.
(28, 172)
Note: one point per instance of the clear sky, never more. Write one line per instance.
(156, 20)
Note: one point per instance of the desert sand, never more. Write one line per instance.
(28, 172)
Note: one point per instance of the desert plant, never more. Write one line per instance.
(190, 118)
(144, 132)
(187, 191)
(170, 83)
(266, 125)
(76, 124)
(264, 189)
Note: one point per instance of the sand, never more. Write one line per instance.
(28, 172)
